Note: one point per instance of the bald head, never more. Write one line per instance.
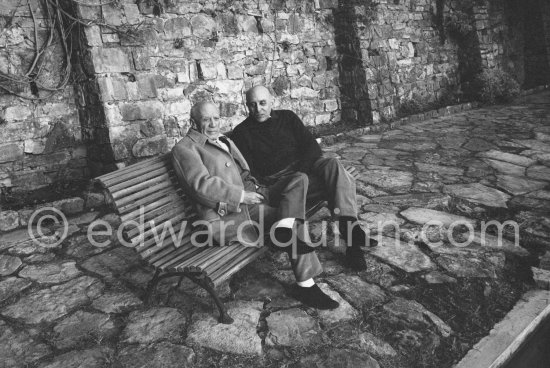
(206, 119)
(259, 102)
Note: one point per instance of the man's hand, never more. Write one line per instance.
(252, 198)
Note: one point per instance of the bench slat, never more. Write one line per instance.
(176, 221)
(133, 215)
(199, 256)
(226, 271)
(142, 189)
(175, 257)
(159, 217)
(144, 175)
(138, 165)
(203, 264)
(150, 246)
(129, 173)
(146, 200)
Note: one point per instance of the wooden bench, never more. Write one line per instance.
(151, 189)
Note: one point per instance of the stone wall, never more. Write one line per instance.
(40, 137)
(139, 65)
(402, 55)
(152, 62)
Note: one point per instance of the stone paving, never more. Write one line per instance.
(77, 305)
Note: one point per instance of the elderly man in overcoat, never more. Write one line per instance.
(230, 200)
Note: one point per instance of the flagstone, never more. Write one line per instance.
(507, 157)
(403, 255)
(51, 273)
(539, 172)
(368, 138)
(153, 325)
(388, 179)
(505, 167)
(82, 327)
(18, 348)
(12, 286)
(338, 358)
(534, 144)
(424, 215)
(161, 355)
(478, 193)
(344, 312)
(116, 302)
(47, 305)
(540, 194)
(478, 145)
(357, 292)
(89, 358)
(9, 264)
(427, 200)
(517, 185)
(240, 337)
(415, 146)
(292, 328)
(443, 170)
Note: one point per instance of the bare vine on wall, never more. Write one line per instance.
(44, 73)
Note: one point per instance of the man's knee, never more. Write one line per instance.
(299, 178)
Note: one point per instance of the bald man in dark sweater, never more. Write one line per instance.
(276, 143)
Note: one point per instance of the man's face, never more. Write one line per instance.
(208, 121)
(259, 105)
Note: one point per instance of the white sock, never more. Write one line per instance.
(307, 283)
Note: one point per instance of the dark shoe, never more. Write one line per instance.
(355, 258)
(314, 297)
(358, 236)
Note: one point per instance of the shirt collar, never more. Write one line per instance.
(200, 138)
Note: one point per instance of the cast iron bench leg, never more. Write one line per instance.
(204, 281)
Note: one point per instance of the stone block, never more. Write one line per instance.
(234, 71)
(141, 59)
(304, 92)
(53, 109)
(34, 147)
(326, 4)
(248, 24)
(202, 26)
(182, 107)
(152, 127)
(227, 86)
(150, 146)
(177, 28)
(69, 206)
(94, 200)
(322, 119)
(112, 15)
(9, 220)
(141, 111)
(10, 152)
(110, 60)
(208, 69)
(93, 36)
(110, 38)
(330, 105)
(146, 86)
(20, 112)
(131, 11)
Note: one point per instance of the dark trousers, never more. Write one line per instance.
(329, 179)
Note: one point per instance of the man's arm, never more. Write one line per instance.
(238, 137)
(206, 189)
(309, 149)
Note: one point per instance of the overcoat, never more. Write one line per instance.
(215, 179)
